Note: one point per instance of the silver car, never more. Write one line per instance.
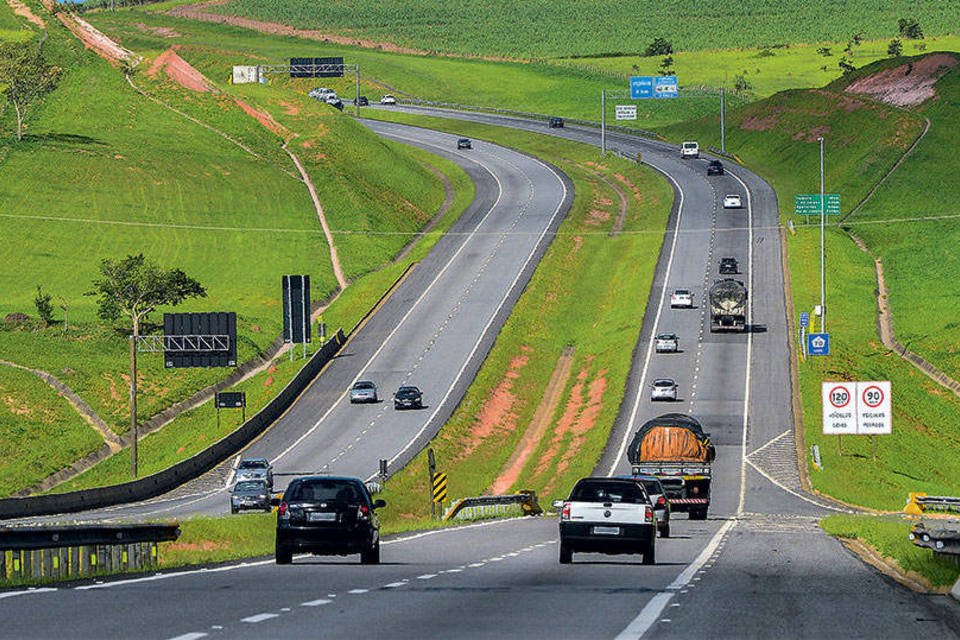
(255, 469)
(668, 343)
(364, 391)
(250, 494)
(663, 389)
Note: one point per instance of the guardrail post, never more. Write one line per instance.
(64, 561)
(3, 564)
(47, 557)
(74, 561)
(36, 563)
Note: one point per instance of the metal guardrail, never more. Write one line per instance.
(943, 541)
(70, 551)
(494, 505)
(919, 503)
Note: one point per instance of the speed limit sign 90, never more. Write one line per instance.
(873, 408)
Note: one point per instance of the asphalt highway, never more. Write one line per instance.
(759, 567)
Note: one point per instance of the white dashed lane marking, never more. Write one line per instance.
(260, 617)
(315, 603)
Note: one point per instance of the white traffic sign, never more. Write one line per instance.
(853, 408)
(626, 111)
(839, 408)
(874, 408)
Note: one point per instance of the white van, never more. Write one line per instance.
(690, 150)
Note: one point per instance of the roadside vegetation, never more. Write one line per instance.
(888, 537)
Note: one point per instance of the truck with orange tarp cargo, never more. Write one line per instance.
(675, 448)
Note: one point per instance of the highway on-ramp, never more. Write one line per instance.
(759, 567)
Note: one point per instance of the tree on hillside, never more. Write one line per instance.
(134, 287)
(659, 47)
(895, 48)
(44, 306)
(666, 66)
(910, 29)
(25, 78)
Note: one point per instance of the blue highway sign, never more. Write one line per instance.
(641, 87)
(665, 87)
(818, 344)
(804, 319)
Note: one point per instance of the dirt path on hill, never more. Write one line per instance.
(538, 426)
(82, 408)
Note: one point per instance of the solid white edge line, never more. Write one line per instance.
(746, 383)
(26, 592)
(651, 612)
(646, 363)
(414, 307)
(196, 635)
(233, 472)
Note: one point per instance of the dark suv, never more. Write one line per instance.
(729, 266)
(556, 123)
(715, 168)
(408, 397)
(326, 515)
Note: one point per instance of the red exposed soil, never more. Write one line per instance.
(290, 109)
(538, 425)
(24, 11)
(811, 135)
(206, 545)
(754, 123)
(179, 70)
(90, 36)
(497, 416)
(263, 118)
(907, 85)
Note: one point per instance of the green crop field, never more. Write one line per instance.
(560, 28)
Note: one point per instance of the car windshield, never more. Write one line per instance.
(323, 489)
(663, 383)
(666, 336)
(682, 292)
(622, 492)
(407, 391)
(652, 487)
(689, 145)
(363, 385)
(252, 464)
(250, 486)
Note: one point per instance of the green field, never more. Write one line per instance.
(562, 28)
(32, 418)
(578, 287)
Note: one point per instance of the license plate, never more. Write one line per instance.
(607, 531)
(322, 517)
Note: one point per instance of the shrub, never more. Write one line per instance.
(659, 47)
(895, 48)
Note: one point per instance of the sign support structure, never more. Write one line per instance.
(857, 408)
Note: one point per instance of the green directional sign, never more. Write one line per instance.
(808, 204)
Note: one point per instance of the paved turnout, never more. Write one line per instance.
(759, 567)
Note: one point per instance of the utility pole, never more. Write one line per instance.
(823, 217)
(133, 404)
(723, 112)
(356, 98)
(603, 122)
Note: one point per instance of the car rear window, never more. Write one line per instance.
(250, 486)
(318, 490)
(622, 492)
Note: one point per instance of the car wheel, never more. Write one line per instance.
(371, 556)
(650, 553)
(665, 531)
(698, 514)
(566, 554)
(284, 555)
(233, 510)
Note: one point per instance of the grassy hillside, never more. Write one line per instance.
(864, 139)
(920, 259)
(557, 28)
(105, 172)
(538, 87)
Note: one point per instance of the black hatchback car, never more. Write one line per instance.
(464, 143)
(556, 123)
(408, 397)
(729, 266)
(715, 168)
(327, 515)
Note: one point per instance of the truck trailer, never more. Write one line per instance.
(675, 448)
(728, 306)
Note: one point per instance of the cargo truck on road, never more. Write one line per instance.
(728, 306)
(674, 448)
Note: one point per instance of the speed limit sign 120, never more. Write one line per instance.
(874, 408)
(839, 408)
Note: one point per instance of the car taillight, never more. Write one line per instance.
(648, 514)
(661, 501)
(282, 510)
(363, 512)
(695, 489)
(565, 513)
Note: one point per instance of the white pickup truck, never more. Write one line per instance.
(607, 515)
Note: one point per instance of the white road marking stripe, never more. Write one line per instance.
(822, 505)
(394, 585)
(357, 592)
(651, 612)
(427, 576)
(260, 617)
(28, 592)
(315, 603)
(191, 636)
